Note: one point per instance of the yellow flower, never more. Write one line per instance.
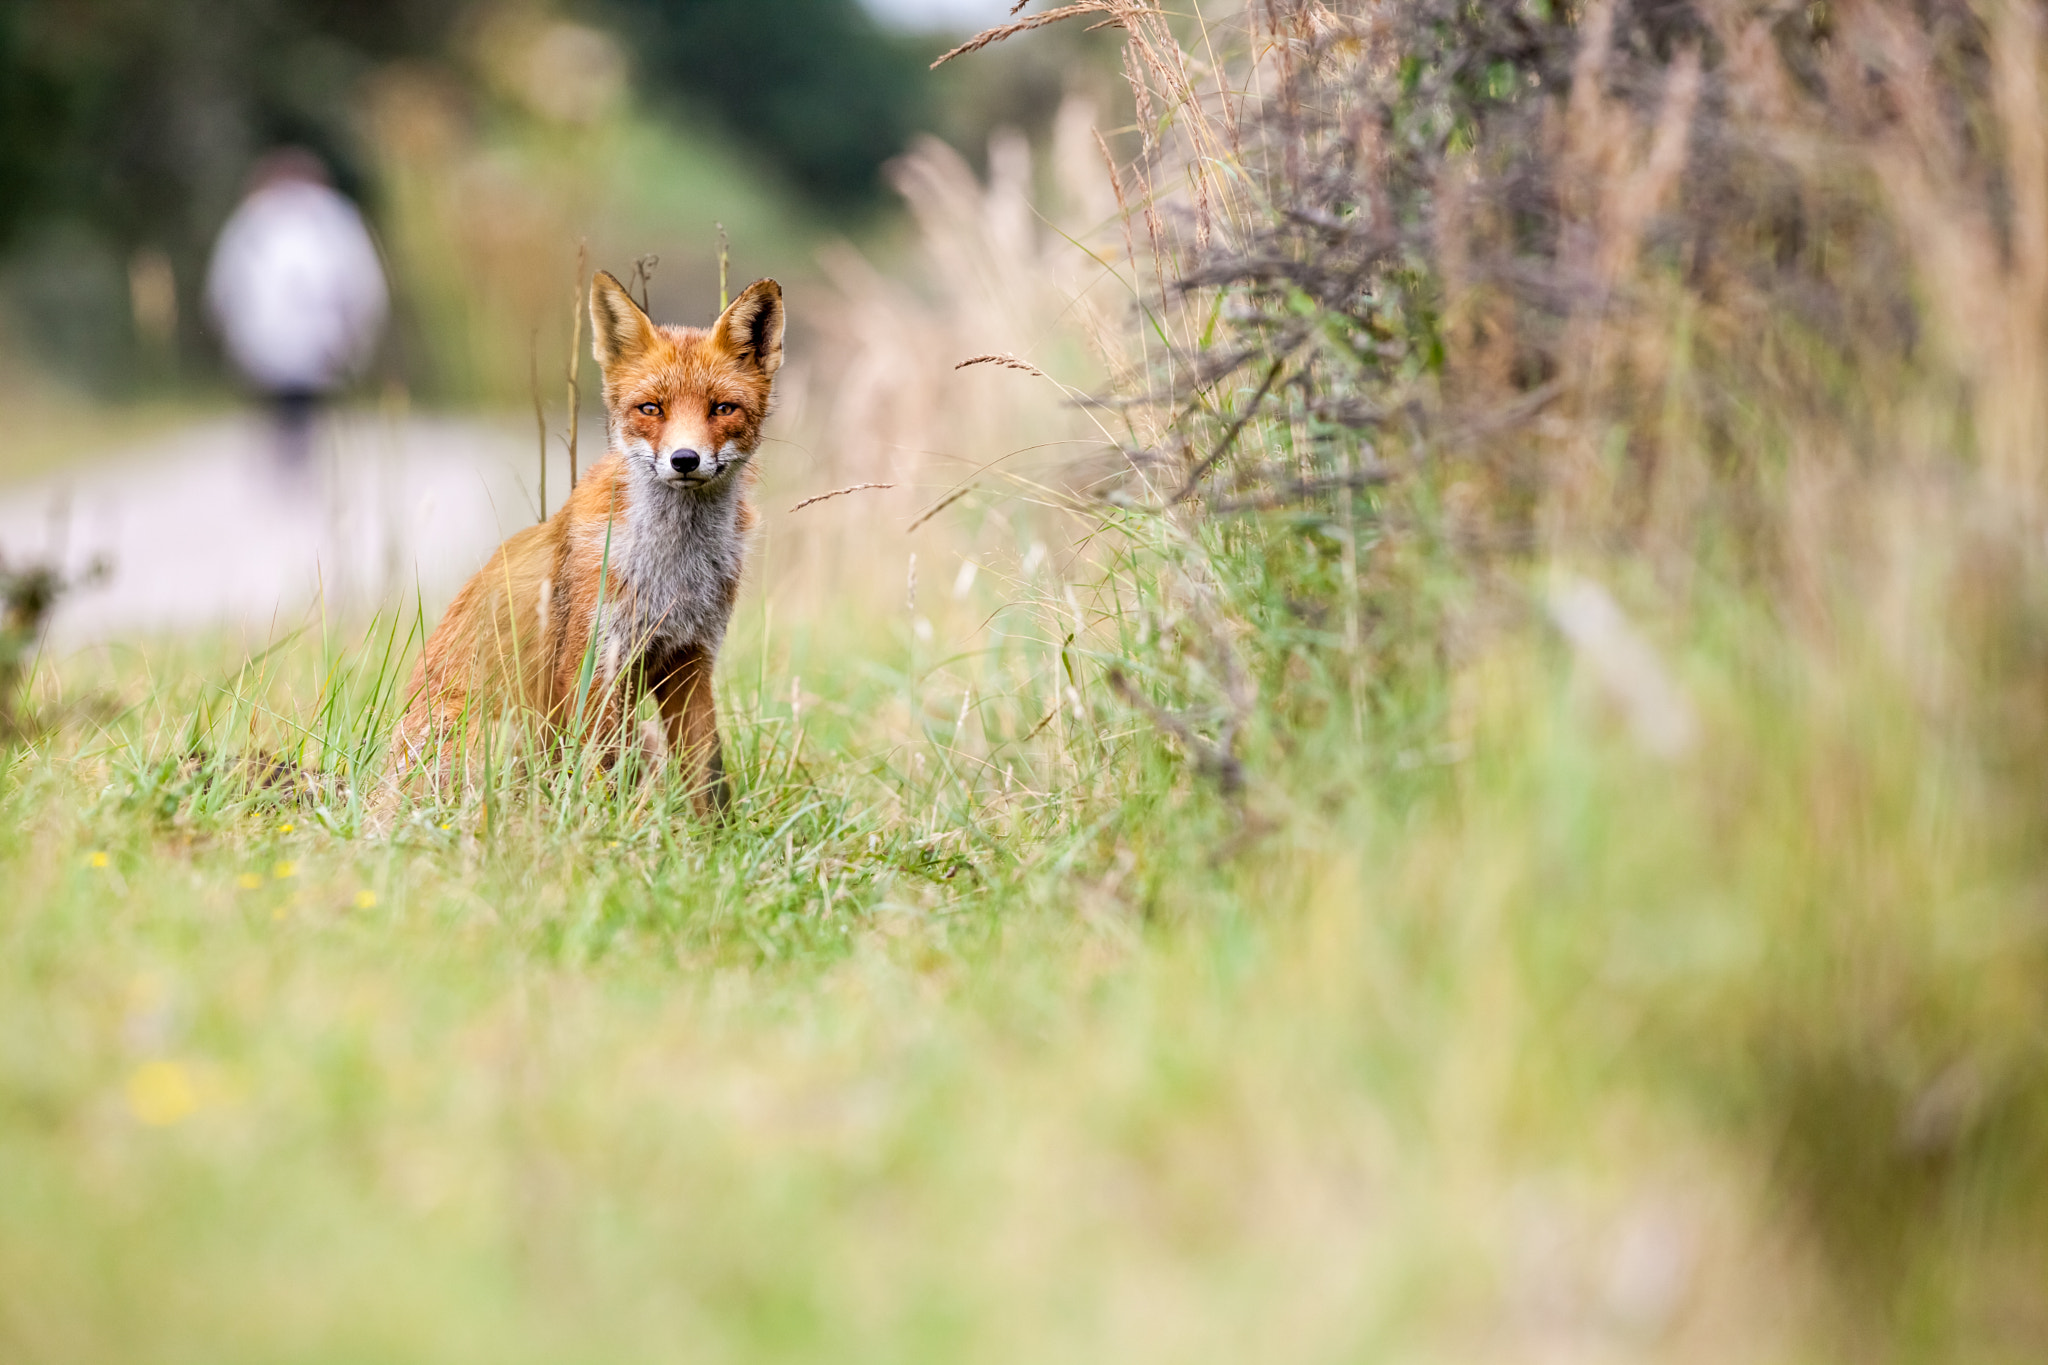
(447, 827)
(286, 828)
(366, 900)
(249, 881)
(284, 870)
(96, 859)
(161, 1093)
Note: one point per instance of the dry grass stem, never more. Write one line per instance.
(1008, 362)
(1002, 31)
(839, 493)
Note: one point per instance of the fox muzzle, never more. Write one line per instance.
(692, 467)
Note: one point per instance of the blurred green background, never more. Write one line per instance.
(485, 142)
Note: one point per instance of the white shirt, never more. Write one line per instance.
(296, 287)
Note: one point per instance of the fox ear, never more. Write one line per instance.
(618, 329)
(751, 328)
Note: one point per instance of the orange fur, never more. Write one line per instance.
(645, 556)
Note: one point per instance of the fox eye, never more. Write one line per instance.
(651, 409)
(725, 409)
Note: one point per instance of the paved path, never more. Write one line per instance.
(200, 528)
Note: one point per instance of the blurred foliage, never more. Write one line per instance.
(128, 128)
(815, 87)
(129, 125)
(825, 95)
(140, 117)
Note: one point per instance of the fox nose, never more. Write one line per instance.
(682, 461)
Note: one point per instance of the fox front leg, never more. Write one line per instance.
(683, 690)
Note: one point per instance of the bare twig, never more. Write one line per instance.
(1300, 490)
(27, 596)
(1123, 209)
(576, 307)
(724, 294)
(643, 275)
(941, 505)
(1230, 435)
(1212, 757)
(540, 421)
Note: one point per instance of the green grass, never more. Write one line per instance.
(1488, 1017)
(1458, 1038)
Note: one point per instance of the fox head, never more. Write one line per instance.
(685, 404)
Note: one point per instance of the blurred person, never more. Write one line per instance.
(297, 293)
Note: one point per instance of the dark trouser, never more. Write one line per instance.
(294, 410)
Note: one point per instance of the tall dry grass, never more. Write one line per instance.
(1706, 339)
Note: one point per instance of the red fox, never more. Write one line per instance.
(629, 586)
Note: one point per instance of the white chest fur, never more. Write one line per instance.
(678, 552)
